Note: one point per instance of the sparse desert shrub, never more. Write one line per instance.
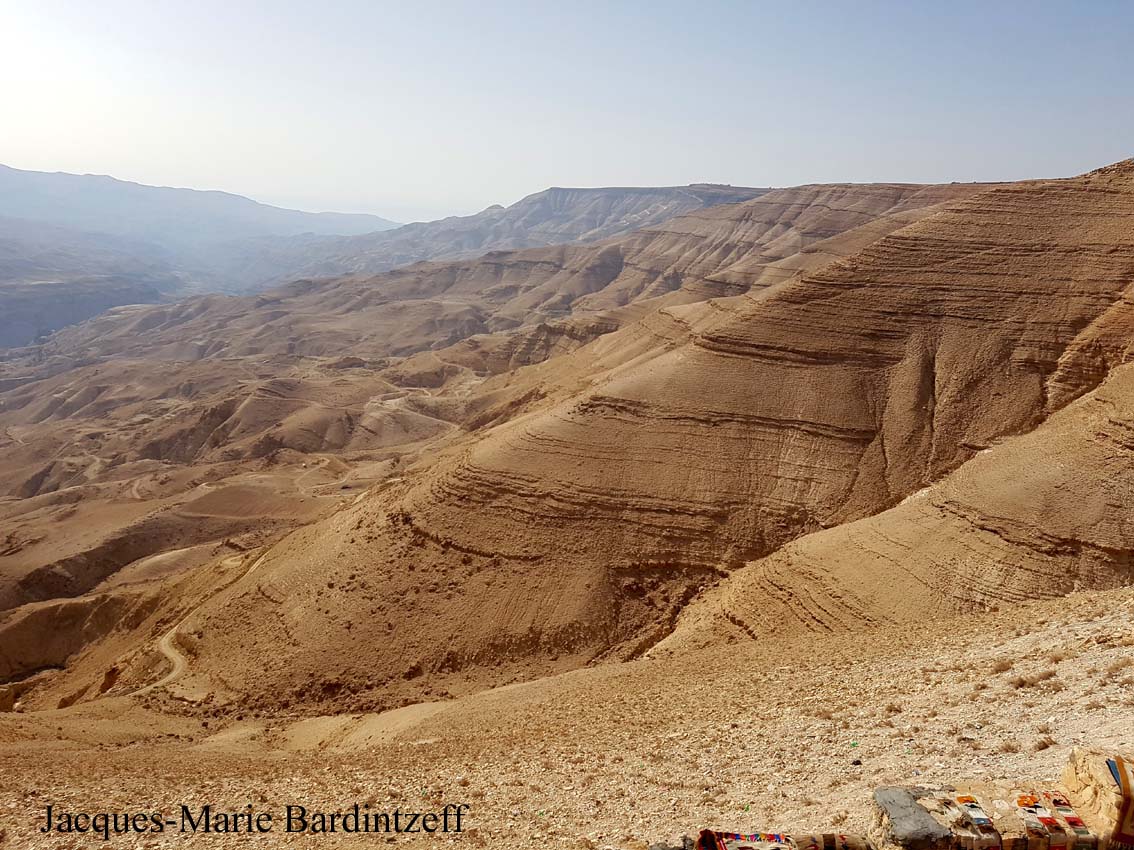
(1008, 746)
(1032, 680)
(1002, 666)
(893, 708)
(1043, 743)
(1119, 664)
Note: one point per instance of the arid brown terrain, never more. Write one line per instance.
(74, 245)
(616, 540)
(553, 216)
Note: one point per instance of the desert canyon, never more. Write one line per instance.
(604, 513)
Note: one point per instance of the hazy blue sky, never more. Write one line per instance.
(418, 109)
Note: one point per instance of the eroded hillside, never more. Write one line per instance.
(579, 530)
(719, 251)
(551, 217)
(638, 423)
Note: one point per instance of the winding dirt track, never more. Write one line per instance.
(167, 644)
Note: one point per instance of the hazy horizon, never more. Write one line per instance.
(445, 109)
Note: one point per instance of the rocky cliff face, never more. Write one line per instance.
(826, 398)
(1038, 515)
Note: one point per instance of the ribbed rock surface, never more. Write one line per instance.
(122, 438)
(1039, 515)
(826, 400)
(703, 438)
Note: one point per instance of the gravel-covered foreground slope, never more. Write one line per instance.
(787, 735)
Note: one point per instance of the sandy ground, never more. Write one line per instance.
(751, 737)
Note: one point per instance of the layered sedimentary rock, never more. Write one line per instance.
(1038, 515)
(719, 251)
(755, 373)
(701, 439)
(830, 398)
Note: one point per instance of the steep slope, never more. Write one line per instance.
(1038, 515)
(118, 459)
(818, 226)
(93, 426)
(828, 398)
(578, 531)
(714, 252)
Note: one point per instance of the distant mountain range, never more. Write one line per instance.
(52, 276)
(829, 409)
(551, 217)
(174, 219)
(73, 245)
